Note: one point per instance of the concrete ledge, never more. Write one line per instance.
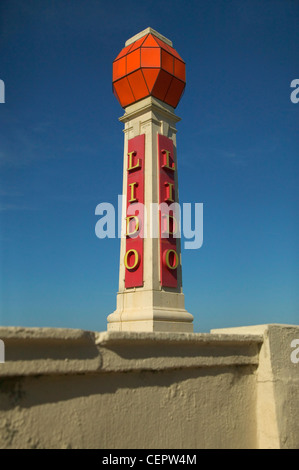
(141, 351)
(48, 351)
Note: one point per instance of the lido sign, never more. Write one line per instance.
(169, 258)
(164, 218)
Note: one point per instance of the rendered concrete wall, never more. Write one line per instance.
(119, 390)
(277, 385)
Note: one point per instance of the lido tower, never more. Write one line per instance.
(148, 81)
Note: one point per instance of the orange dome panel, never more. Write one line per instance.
(138, 85)
(168, 48)
(137, 44)
(150, 57)
(150, 76)
(162, 84)
(124, 92)
(119, 68)
(176, 89)
(150, 42)
(180, 70)
(167, 61)
(123, 52)
(148, 67)
(133, 61)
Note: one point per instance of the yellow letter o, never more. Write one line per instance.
(176, 259)
(136, 262)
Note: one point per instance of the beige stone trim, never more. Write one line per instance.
(144, 33)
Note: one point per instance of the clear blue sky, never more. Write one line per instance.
(61, 148)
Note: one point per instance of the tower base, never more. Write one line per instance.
(147, 325)
(148, 319)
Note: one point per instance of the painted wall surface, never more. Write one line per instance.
(277, 384)
(121, 390)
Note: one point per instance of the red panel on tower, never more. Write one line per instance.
(135, 213)
(169, 257)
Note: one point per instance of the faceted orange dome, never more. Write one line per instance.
(148, 67)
